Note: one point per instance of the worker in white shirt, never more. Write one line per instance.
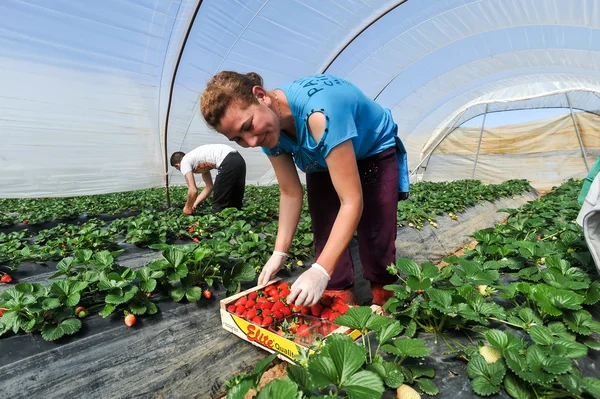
(229, 184)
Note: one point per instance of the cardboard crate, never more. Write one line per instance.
(262, 336)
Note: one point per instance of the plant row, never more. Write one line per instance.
(517, 308)
(153, 226)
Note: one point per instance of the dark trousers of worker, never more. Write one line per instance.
(378, 224)
(230, 183)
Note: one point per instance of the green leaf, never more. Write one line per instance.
(174, 255)
(346, 355)
(483, 387)
(410, 347)
(430, 271)
(388, 332)
(279, 388)
(51, 303)
(592, 344)
(103, 258)
(152, 309)
(243, 271)
(557, 365)
(240, 390)
(516, 388)
(137, 308)
(356, 318)
(592, 295)
(52, 332)
(441, 297)
(301, 377)
(592, 385)
(65, 265)
(418, 371)
(322, 371)
(572, 349)
(393, 376)
(541, 335)
(415, 284)
(409, 267)
(193, 294)
(177, 293)
(428, 387)
(364, 385)
(148, 285)
(107, 310)
(411, 329)
(477, 367)
(497, 338)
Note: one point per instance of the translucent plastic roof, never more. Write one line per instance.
(90, 90)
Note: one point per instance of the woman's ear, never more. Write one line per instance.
(261, 95)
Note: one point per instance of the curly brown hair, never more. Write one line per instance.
(225, 88)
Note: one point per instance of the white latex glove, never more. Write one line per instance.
(273, 265)
(309, 287)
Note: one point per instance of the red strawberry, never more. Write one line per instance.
(251, 314)
(277, 315)
(305, 310)
(252, 295)
(207, 294)
(25, 221)
(195, 239)
(257, 320)
(303, 330)
(2, 311)
(286, 311)
(191, 229)
(284, 293)
(267, 320)
(260, 299)
(326, 313)
(240, 310)
(282, 286)
(316, 309)
(278, 306)
(241, 301)
(333, 315)
(250, 303)
(266, 305)
(231, 308)
(6, 279)
(343, 309)
(130, 320)
(274, 297)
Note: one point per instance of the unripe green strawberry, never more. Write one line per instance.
(407, 392)
(490, 354)
(82, 314)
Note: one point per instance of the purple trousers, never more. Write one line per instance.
(378, 224)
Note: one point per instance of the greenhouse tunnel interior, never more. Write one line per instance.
(96, 95)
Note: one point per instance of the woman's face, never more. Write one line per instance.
(253, 126)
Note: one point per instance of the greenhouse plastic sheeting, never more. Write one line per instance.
(538, 151)
(88, 104)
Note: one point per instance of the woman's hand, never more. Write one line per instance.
(309, 287)
(273, 265)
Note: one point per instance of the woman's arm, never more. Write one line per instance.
(290, 203)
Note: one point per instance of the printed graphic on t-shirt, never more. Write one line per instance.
(315, 84)
(204, 167)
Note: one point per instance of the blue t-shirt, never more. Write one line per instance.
(349, 115)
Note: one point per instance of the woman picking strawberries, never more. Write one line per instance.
(355, 165)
